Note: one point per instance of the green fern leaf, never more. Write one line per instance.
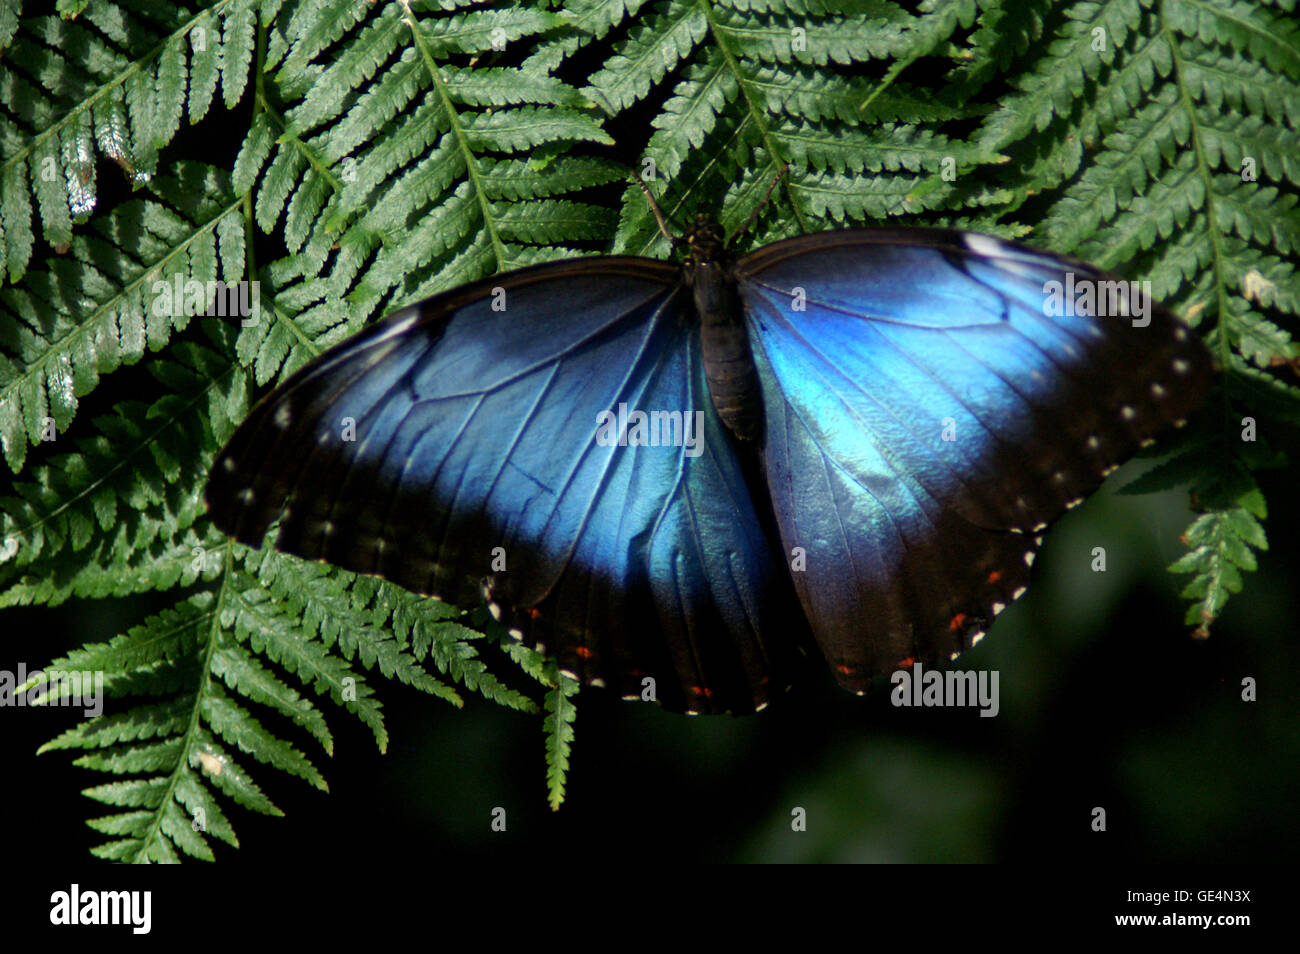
(560, 717)
(1221, 545)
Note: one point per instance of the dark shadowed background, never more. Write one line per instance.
(1105, 702)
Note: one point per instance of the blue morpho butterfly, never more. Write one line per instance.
(674, 471)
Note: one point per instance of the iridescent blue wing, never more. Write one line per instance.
(453, 448)
(926, 417)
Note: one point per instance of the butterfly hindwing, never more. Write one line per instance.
(452, 448)
(927, 415)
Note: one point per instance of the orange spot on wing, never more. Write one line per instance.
(534, 612)
(846, 670)
(584, 653)
(995, 576)
(704, 691)
(957, 621)
(906, 663)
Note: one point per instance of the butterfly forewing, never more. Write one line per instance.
(454, 449)
(928, 412)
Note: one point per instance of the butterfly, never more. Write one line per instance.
(670, 475)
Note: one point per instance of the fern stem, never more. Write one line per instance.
(462, 141)
(756, 112)
(205, 678)
(1203, 171)
(259, 106)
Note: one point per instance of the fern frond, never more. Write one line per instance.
(560, 717)
(656, 45)
(112, 298)
(269, 628)
(433, 629)
(1190, 108)
(341, 175)
(242, 673)
(121, 492)
(1221, 544)
(319, 597)
(171, 636)
(122, 98)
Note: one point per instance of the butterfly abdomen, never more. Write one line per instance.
(724, 343)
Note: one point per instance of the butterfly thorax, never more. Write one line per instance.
(706, 241)
(728, 362)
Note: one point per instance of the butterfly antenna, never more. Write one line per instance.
(780, 174)
(659, 213)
